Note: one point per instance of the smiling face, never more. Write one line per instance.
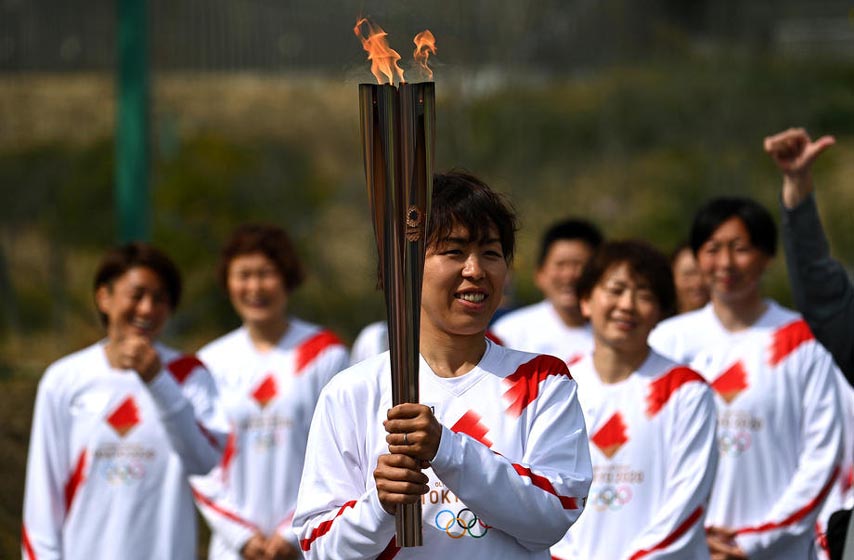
(462, 286)
(558, 276)
(622, 309)
(731, 265)
(256, 290)
(135, 303)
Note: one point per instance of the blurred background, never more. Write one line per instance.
(628, 113)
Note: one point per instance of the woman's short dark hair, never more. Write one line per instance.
(757, 219)
(460, 198)
(269, 240)
(118, 260)
(571, 229)
(644, 261)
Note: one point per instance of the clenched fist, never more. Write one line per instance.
(134, 352)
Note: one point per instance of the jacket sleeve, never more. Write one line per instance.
(49, 486)
(285, 529)
(339, 515)
(840, 495)
(676, 526)
(796, 510)
(192, 415)
(220, 513)
(328, 364)
(821, 288)
(545, 492)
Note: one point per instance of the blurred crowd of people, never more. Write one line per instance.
(647, 407)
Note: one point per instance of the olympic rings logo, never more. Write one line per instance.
(265, 440)
(610, 497)
(457, 526)
(734, 444)
(123, 473)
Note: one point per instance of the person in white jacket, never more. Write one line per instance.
(270, 372)
(779, 418)
(119, 426)
(555, 326)
(496, 452)
(651, 421)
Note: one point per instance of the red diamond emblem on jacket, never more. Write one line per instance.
(124, 418)
(731, 382)
(471, 425)
(611, 436)
(266, 391)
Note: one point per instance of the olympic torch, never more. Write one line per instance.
(397, 125)
(397, 139)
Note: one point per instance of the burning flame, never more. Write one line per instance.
(383, 58)
(425, 44)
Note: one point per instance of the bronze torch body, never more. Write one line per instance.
(398, 144)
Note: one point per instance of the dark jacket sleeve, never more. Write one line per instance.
(821, 288)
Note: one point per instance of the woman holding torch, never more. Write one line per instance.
(496, 452)
(119, 426)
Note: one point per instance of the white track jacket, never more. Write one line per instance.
(109, 459)
(654, 452)
(269, 399)
(510, 476)
(779, 425)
